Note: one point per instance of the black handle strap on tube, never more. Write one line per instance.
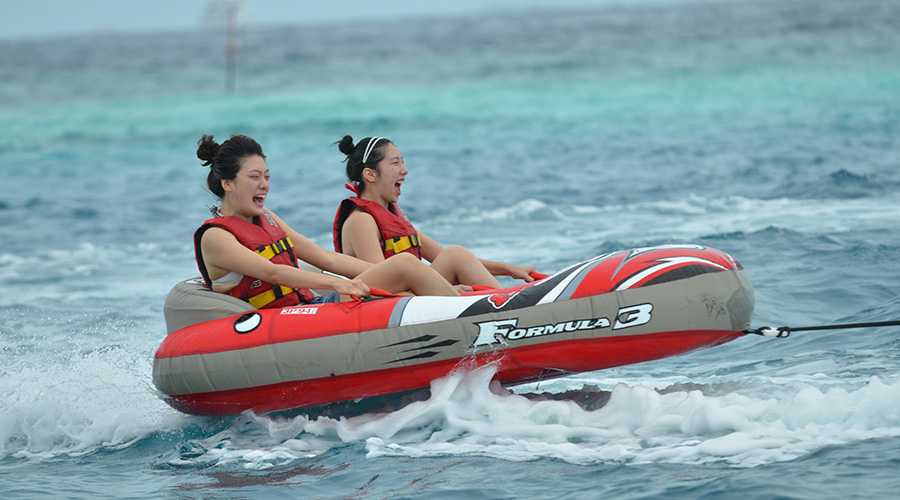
(785, 331)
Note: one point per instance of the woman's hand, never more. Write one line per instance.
(354, 287)
(520, 272)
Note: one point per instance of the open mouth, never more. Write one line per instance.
(397, 187)
(259, 200)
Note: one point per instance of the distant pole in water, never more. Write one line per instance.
(226, 11)
(231, 49)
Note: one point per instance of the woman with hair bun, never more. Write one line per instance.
(248, 252)
(371, 226)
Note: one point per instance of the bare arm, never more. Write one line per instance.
(430, 248)
(360, 233)
(333, 262)
(222, 251)
(505, 269)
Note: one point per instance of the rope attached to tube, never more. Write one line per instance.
(785, 331)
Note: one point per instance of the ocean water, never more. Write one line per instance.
(768, 129)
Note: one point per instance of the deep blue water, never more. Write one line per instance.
(770, 130)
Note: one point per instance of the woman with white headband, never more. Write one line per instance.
(371, 226)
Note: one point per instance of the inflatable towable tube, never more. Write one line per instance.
(619, 308)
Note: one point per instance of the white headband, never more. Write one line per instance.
(370, 147)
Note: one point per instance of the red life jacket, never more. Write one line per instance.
(266, 238)
(397, 234)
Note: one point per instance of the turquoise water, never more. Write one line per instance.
(770, 130)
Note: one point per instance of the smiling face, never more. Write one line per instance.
(384, 183)
(245, 195)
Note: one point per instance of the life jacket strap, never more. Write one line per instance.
(263, 299)
(401, 243)
(280, 246)
(276, 292)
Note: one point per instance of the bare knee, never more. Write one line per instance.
(405, 260)
(457, 252)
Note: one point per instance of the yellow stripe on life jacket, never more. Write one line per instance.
(276, 292)
(263, 299)
(276, 248)
(401, 244)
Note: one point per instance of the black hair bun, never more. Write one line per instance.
(207, 149)
(346, 145)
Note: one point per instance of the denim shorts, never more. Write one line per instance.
(328, 298)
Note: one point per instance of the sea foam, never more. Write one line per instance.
(468, 415)
(79, 403)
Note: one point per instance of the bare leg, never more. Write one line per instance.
(460, 266)
(405, 272)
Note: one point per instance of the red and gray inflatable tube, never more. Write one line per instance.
(615, 309)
